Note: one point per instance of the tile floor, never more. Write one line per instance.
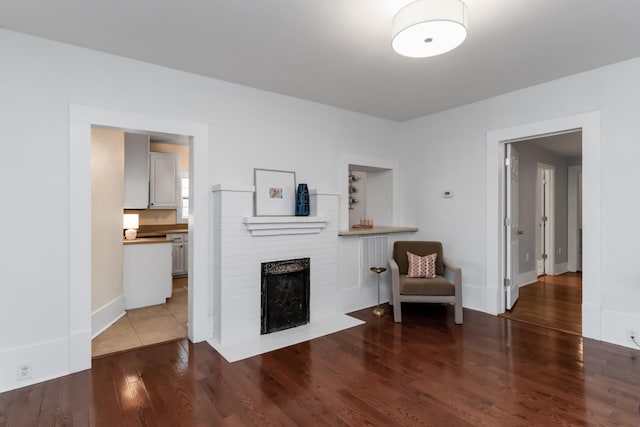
(147, 325)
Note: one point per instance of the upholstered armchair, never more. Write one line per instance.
(421, 289)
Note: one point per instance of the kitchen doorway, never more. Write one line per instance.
(124, 181)
(81, 119)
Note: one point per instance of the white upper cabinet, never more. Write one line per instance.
(163, 181)
(136, 171)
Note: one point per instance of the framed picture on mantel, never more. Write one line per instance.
(275, 192)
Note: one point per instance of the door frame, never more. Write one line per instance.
(573, 223)
(590, 124)
(81, 118)
(550, 227)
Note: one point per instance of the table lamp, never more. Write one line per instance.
(130, 222)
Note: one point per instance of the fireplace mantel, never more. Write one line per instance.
(284, 225)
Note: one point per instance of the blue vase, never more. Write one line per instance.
(302, 200)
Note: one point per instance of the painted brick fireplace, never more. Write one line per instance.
(243, 242)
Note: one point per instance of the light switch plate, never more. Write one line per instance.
(447, 194)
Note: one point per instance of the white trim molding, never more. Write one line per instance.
(527, 278)
(107, 315)
(559, 269)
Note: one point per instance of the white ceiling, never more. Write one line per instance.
(338, 52)
(567, 145)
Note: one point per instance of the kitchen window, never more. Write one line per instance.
(183, 206)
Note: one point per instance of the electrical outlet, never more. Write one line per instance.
(632, 334)
(24, 371)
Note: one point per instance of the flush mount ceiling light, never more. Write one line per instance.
(429, 27)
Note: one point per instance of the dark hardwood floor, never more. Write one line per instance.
(552, 302)
(426, 371)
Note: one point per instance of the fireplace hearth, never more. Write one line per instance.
(285, 294)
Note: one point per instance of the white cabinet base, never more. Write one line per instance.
(180, 253)
(146, 274)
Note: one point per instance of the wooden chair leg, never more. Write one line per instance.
(458, 314)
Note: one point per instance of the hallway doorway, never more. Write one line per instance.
(589, 125)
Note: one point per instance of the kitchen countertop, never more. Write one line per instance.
(161, 233)
(175, 231)
(145, 240)
(377, 230)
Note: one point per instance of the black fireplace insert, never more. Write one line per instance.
(285, 294)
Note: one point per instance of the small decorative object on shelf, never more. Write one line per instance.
(352, 189)
(364, 223)
(302, 200)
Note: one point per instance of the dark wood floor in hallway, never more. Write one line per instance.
(553, 302)
(426, 371)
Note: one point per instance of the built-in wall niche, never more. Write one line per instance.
(370, 192)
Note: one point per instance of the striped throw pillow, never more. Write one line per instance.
(422, 266)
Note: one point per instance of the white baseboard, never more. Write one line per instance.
(47, 359)
(616, 325)
(591, 321)
(79, 350)
(354, 299)
(472, 297)
(107, 315)
(493, 300)
(527, 278)
(560, 269)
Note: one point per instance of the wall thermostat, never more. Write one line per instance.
(447, 194)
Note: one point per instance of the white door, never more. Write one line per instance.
(511, 227)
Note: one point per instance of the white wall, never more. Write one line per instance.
(107, 195)
(248, 129)
(457, 141)
(379, 197)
